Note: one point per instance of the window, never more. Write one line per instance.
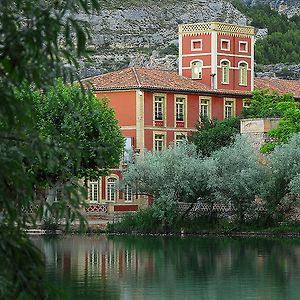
(243, 46)
(93, 191)
(197, 69)
(196, 45)
(179, 138)
(128, 150)
(159, 142)
(243, 73)
(159, 108)
(128, 193)
(58, 195)
(205, 108)
(111, 189)
(225, 45)
(229, 110)
(225, 71)
(179, 105)
(246, 103)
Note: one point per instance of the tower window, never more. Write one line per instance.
(196, 45)
(197, 69)
(225, 45)
(243, 73)
(225, 72)
(243, 46)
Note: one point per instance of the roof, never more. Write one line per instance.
(279, 85)
(162, 80)
(150, 79)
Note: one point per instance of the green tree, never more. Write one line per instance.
(173, 175)
(236, 176)
(40, 40)
(265, 105)
(212, 135)
(282, 180)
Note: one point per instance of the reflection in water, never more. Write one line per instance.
(125, 267)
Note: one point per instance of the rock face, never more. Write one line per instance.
(288, 7)
(291, 72)
(144, 33)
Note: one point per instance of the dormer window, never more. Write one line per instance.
(197, 69)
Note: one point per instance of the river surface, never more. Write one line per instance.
(147, 267)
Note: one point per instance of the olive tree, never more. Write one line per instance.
(176, 174)
(283, 181)
(236, 176)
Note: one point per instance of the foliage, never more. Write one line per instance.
(236, 176)
(283, 41)
(265, 104)
(182, 176)
(40, 40)
(71, 117)
(212, 135)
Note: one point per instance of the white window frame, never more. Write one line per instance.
(176, 110)
(225, 49)
(243, 73)
(246, 101)
(128, 195)
(113, 199)
(232, 106)
(225, 70)
(246, 46)
(159, 137)
(94, 191)
(192, 45)
(159, 98)
(208, 105)
(198, 74)
(182, 135)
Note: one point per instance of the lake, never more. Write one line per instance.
(151, 267)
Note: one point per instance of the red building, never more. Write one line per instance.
(156, 108)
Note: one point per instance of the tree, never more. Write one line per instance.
(264, 104)
(39, 41)
(236, 176)
(282, 183)
(212, 135)
(173, 175)
(83, 130)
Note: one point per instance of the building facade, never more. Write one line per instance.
(157, 108)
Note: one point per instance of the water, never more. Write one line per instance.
(123, 267)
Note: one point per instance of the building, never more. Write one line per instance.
(156, 108)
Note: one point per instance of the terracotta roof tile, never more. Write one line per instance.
(156, 79)
(279, 85)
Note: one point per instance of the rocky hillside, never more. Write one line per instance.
(289, 7)
(144, 33)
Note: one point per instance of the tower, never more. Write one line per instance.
(218, 55)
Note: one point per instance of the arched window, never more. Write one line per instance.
(111, 189)
(243, 73)
(197, 69)
(225, 71)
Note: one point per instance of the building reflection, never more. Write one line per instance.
(177, 268)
